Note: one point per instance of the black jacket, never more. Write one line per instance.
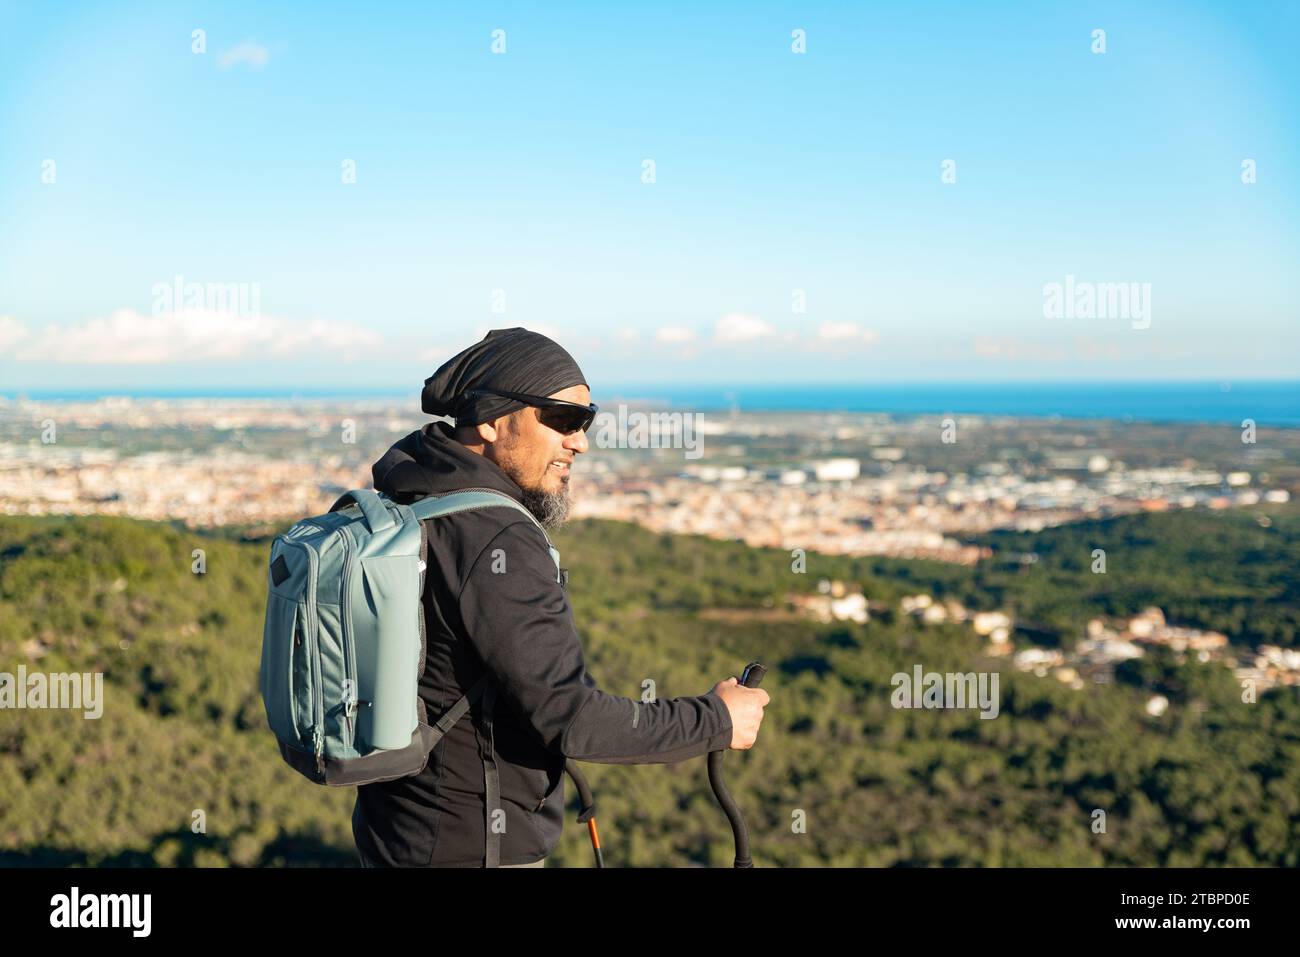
(492, 604)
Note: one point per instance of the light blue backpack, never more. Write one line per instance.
(343, 646)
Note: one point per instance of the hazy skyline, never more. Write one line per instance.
(496, 189)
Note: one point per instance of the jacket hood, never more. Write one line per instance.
(429, 461)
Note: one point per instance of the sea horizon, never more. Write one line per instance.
(1266, 402)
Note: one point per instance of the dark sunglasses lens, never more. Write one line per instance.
(566, 421)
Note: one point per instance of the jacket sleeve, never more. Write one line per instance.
(518, 619)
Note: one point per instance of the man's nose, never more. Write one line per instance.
(577, 442)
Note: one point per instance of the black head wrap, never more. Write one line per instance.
(515, 360)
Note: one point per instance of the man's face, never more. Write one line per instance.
(535, 455)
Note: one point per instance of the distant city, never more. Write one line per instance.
(855, 483)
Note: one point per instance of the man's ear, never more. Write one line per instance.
(495, 430)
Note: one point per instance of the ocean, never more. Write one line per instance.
(1267, 403)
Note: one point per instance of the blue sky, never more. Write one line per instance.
(519, 176)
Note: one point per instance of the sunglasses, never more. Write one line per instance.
(564, 417)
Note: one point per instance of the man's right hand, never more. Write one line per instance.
(745, 705)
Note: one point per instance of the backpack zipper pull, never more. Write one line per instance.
(349, 711)
(320, 753)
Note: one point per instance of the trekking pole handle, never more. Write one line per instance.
(751, 677)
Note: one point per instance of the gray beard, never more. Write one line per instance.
(551, 509)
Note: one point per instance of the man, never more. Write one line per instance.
(492, 792)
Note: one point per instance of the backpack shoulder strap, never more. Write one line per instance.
(457, 711)
(437, 505)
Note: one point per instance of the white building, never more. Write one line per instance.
(836, 470)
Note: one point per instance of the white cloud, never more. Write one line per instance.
(845, 332)
(549, 331)
(439, 354)
(1018, 350)
(12, 332)
(674, 335)
(738, 327)
(254, 54)
(127, 337)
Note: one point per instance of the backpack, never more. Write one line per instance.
(343, 645)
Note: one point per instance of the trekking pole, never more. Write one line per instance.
(588, 803)
(751, 677)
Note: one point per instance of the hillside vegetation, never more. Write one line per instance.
(1212, 781)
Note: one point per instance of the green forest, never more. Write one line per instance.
(839, 777)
